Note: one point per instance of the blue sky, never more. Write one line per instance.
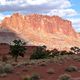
(67, 9)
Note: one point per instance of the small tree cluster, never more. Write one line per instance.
(40, 53)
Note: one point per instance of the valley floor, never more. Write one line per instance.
(47, 69)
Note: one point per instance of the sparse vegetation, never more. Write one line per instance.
(64, 77)
(50, 71)
(71, 69)
(5, 68)
(44, 61)
(8, 68)
(3, 75)
(26, 78)
(33, 77)
(76, 58)
(42, 53)
(43, 64)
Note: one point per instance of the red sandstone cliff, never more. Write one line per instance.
(47, 24)
(40, 29)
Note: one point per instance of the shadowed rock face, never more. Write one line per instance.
(52, 31)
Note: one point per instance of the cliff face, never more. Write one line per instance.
(39, 29)
(47, 24)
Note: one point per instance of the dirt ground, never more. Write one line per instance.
(42, 70)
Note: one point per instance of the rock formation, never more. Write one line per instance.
(52, 31)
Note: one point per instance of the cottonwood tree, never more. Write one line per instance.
(17, 49)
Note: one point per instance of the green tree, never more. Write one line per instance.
(17, 49)
(39, 53)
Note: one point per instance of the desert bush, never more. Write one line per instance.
(6, 68)
(33, 77)
(26, 78)
(64, 77)
(2, 68)
(71, 69)
(3, 75)
(76, 58)
(42, 64)
(22, 63)
(50, 71)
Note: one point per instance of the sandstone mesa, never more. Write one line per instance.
(52, 31)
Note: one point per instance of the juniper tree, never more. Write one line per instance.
(17, 49)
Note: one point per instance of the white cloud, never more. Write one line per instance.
(37, 2)
(52, 7)
(76, 27)
(49, 4)
(75, 23)
(62, 12)
(75, 20)
(2, 2)
(31, 2)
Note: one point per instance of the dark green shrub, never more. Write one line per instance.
(39, 53)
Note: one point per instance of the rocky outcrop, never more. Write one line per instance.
(52, 31)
